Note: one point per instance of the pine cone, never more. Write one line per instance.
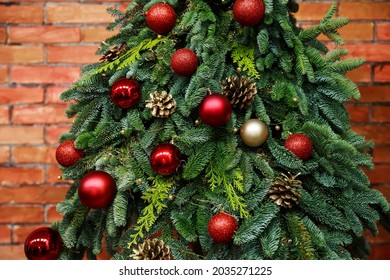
(240, 90)
(113, 53)
(152, 249)
(285, 190)
(162, 104)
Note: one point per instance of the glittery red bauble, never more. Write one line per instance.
(97, 189)
(165, 159)
(300, 145)
(67, 155)
(248, 12)
(184, 62)
(215, 110)
(222, 227)
(125, 93)
(161, 18)
(43, 243)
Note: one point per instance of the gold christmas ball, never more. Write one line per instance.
(254, 133)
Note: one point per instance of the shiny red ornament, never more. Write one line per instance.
(125, 93)
(215, 110)
(67, 155)
(97, 189)
(248, 12)
(184, 62)
(222, 227)
(300, 145)
(165, 159)
(43, 243)
(161, 18)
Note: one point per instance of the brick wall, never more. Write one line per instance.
(43, 44)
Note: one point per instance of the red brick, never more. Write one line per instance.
(12, 252)
(53, 133)
(21, 214)
(357, 31)
(381, 114)
(21, 14)
(361, 74)
(382, 73)
(95, 34)
(34, 195)
(383, 31)
(44, 34)
(370, 52)
(310, 11)
(21, 175)
(21, 135)
(364, 10)
(380, 252)
(21, 54)
(5, 234)
(359, 114)
(4, 115)
(18, 95)
(80, 13)
(34, 154)
(5, 153)
(374, 93)
(45, 74)
(379, 134)
(382, 155)
(20, 232)
(382, 237)
(35, 114)
(53, 94)
(52, 215)
(3, 35)
(3, 74)
(385, 190)
(72, 54)
(380, 174)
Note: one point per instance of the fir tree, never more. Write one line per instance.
(291, 182)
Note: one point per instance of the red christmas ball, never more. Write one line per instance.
(125, 93)
(165, 159)
(300, 145)
(67, 155)
(215, 110)
(248, 12)
(97, 189)
(43, 243)
(184, 62)
(222, 227)
(161, 18)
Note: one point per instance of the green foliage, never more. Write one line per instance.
(245, 59)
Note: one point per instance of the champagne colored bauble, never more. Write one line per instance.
(184, 62)
(161, 18)
(215, 110)
(67, 155)
(300, 145)
(125, 93)
(248, 12)
(97, 189)
(254, 133)
(222, 227)
(165, 159)
(43, 243)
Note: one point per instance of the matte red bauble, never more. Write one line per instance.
(222, 227)
(125, 93)
(165, 159)
(215, 110)
(43, 243)
(67, 155)
(97, 189)
(248, 12)
(184, 62)
(161, 18)
(300, 145)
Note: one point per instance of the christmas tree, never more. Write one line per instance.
(214, 130)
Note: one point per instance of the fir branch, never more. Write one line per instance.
(245, 59)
